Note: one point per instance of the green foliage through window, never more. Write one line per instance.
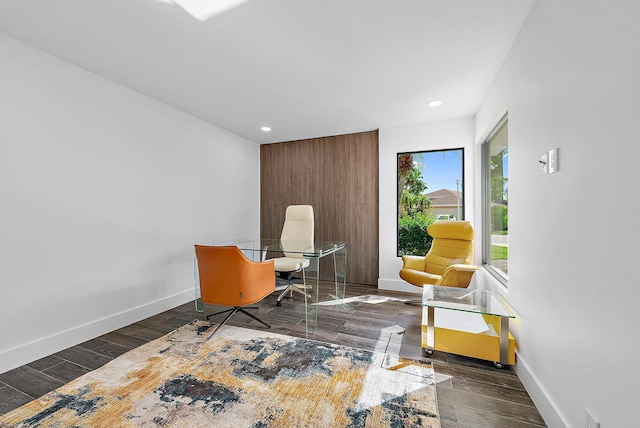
(412, 234)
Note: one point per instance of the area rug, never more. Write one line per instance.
(241, 378)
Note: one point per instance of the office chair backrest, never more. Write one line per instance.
(452, 244)
(228, 277)
(297, 231)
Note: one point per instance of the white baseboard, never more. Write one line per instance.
(539, 395)
(24, 354)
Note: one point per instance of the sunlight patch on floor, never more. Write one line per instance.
(442, 377)
(374, 300)
(390, 341)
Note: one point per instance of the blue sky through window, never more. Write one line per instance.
(441, 168)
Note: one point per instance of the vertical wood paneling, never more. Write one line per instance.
(338, 176)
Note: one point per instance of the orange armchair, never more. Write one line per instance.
(229, 278)
(448, 261)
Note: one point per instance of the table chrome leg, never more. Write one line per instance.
(431, 330)
(504, 340)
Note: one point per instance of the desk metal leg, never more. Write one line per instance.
(312, 281)
(340, 272)
(196, 287)
(312, 292)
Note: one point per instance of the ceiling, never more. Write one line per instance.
(305, 68)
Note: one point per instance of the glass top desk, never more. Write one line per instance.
(482, 333)
(271, 248)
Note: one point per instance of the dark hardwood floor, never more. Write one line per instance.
(471, 393)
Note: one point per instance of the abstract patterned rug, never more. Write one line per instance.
(241, 378)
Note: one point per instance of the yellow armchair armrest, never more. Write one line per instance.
(458, 275)
(413, 262)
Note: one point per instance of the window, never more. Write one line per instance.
(495, 191)
(430, 188)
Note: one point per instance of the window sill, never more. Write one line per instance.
(495, 280)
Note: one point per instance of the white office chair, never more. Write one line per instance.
(297, 236)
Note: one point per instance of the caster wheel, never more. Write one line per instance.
(278, 303)
(427, 352)
(498, 365)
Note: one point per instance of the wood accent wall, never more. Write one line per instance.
(338, 176)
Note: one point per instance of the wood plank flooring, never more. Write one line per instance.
(471, 393)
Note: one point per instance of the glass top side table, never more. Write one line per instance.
(495, 343)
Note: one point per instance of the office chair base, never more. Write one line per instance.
(233, 311)
(299, 288)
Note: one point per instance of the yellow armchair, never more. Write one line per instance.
(448, 262)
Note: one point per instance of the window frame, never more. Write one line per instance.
(501, 276)
(461, 190)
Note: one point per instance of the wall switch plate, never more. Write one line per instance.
(553, 161)
(590, 421)
(545, 162)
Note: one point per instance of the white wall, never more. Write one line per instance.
(103, 193)
(438, 135)
(571, 81)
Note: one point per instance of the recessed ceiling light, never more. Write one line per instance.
(265, 129)
(434, 103)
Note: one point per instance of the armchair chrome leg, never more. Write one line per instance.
(254, 317)
(233, 311)
(221, 312)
